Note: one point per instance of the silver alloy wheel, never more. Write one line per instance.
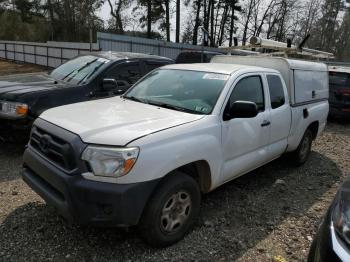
(176, 211)
(305, 147)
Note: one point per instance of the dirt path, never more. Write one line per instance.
(8, 68)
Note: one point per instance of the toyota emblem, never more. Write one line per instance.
(44, 143)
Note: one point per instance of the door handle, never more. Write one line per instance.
(265, 123)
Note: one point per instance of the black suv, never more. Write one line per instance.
(189, 57)
(339, 92)
(90, 76)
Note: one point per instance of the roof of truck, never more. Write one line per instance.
(200, 52)
(127, 55)
(219, 68)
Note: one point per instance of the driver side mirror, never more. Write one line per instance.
(242, 109)
(109, 84)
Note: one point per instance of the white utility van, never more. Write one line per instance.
(145, 158)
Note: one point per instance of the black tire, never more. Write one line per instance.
(153, 225)
(302, 153)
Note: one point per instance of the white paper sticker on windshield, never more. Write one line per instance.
(212, 76)
(202, 109)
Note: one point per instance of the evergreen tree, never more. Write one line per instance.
(324, 34)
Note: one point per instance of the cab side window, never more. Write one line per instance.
(276, 91)
(249, 89)
(126, 75)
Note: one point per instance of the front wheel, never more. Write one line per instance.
(302, 153)
(172, 211)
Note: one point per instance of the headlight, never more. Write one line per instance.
(341, 215)
(13, 109)
(110, 162)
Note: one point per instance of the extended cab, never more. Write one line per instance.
(146, 157)
(87, 77)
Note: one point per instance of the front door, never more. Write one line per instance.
(245, 141)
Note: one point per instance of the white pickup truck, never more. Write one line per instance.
(146, 157)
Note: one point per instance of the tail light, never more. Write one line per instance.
(345, 91)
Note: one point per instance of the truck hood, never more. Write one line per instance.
(115, 121)
(14, 86)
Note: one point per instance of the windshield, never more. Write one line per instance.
(79, 70)
(182, 90)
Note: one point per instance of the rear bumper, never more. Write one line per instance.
(342, 111)
(83, 201)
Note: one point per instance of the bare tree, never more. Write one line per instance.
(311, 16)
(197, 9)
(248, 16)
(218, 8)
(212, 10)
(259, 26)
(149, 18)
(224, 19)
(167, 20)
(115, 13)
(234, 7)
(178, 11)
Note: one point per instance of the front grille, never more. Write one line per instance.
(53, 148)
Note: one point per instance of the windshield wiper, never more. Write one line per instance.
(177, 108)
(77, 71)
(92, 72)
(136, 99)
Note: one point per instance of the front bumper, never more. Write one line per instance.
(339, 246)
(84, 201)
(326, 245)
(15, 128)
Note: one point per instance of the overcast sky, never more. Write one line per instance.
(105, 12)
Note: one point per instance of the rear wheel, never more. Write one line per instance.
(302, 153)
(172, 211)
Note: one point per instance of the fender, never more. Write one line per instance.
(172, 148)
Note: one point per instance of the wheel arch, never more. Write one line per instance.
(314, 127)
(199, 170)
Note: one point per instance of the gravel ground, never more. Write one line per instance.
(273, 211)
(7, 68)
